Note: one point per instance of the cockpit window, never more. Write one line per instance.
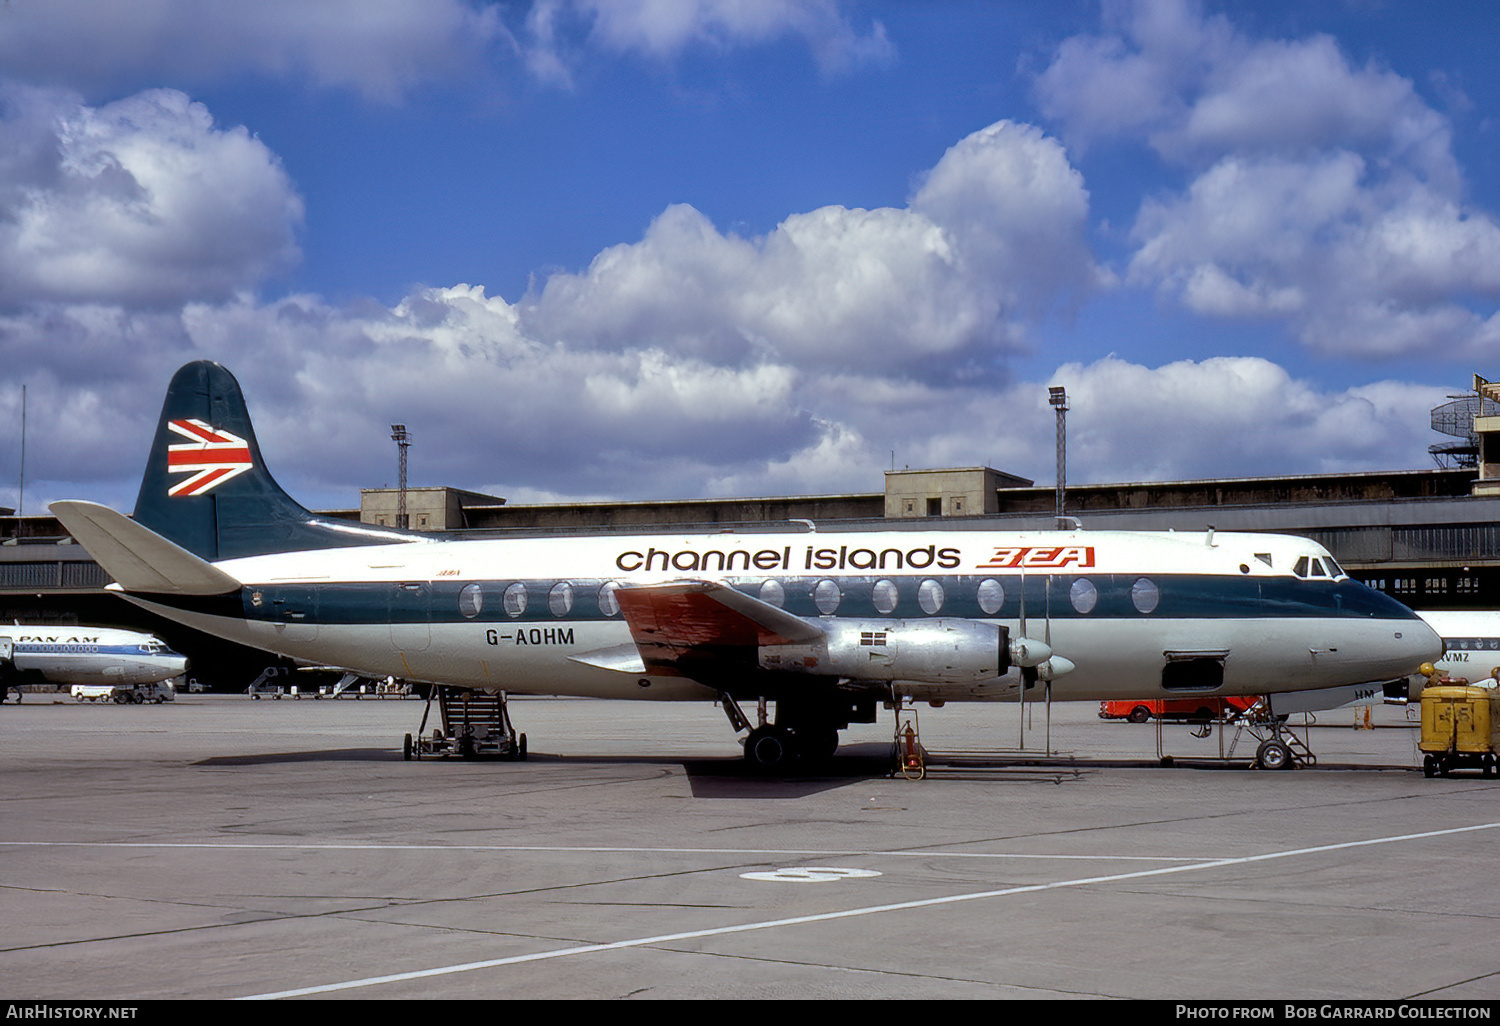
(1318, 567)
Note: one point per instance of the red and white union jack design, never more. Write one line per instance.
(211, 455)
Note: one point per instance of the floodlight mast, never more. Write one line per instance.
(1058, 397)
(403, 442)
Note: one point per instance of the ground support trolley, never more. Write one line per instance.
(475, 723)
(1460, 730)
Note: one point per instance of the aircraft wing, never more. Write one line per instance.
(684, 625)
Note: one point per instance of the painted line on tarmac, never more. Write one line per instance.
(771, 924)
(596, 849)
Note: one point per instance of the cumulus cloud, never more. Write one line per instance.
(691, 362)
(379, 50)
(1256, 413)
(494, 409)
(993, 237)
(143, 201)
(1323, 194)
(662, 30)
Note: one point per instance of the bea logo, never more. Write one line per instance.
(1049, 557)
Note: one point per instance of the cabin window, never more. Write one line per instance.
(826, 596)
(1083, 595)
(471, 600)
(930, 596)
(885, 597)
(560, 599)
(773, 594)
(991, 596)
(1145, 595)
(515, 599)
(609, 605)
(1301, 568)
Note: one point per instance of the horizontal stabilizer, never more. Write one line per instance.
(139, 560)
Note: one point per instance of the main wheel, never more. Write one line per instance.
(769, 748)
(1273, 755)
(406, 749)
(816, 743)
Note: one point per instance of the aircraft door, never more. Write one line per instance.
(295, 613)
(1193, 671)
(411, 616)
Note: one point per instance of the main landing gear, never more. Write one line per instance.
(802, 734)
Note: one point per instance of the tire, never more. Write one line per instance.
(406, 749)
(769, 749)
(1429, 766)
(1140, 714)
(816, 744)
(1273, 755)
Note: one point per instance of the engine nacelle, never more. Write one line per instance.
(939, 651)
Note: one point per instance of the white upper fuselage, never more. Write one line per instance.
(1274, 612)
(91, 655)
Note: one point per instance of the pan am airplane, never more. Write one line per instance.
(83, 655)
(825, 625)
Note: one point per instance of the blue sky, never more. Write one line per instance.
(677, 248)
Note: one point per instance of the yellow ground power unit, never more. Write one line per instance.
(1460, 728)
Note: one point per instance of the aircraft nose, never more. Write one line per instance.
(1420, 644)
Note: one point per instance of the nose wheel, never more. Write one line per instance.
(1274, 755)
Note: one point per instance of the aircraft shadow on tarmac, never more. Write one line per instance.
(334, 755)
(729, 777)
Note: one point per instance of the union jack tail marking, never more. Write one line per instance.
(211, 456)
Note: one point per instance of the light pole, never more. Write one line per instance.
(1058, 397)
(403, 442)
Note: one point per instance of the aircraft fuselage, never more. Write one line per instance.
(1136, 615)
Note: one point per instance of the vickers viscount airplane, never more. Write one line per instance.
(83, 655)
(825, 625)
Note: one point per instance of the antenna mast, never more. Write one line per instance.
(403, 442)
(1058, 397)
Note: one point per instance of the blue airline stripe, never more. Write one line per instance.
(1114, 597)
(49, 648)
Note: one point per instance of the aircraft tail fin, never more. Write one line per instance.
(208, 491)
